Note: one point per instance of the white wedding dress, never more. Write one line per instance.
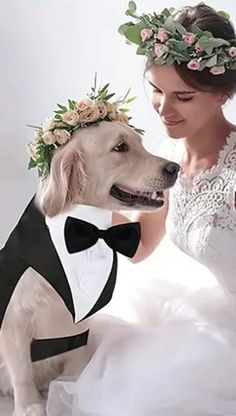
(181, 360)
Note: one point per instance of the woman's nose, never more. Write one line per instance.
(166, 108)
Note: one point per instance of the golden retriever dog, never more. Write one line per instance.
(103, 166)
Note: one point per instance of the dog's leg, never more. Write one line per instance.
(16, 335)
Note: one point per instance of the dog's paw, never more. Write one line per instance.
(35, 409)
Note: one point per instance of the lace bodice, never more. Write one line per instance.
(202, 214)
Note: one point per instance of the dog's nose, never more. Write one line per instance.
(172, 169)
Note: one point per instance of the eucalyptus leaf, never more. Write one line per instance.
(132, 33)
(132, 5)
(169, 24)
(211, 61)
(170, 60)
(179, 45)
(217, 42)
(124, 27)
(180, 28)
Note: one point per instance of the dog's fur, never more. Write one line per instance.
(81, 172)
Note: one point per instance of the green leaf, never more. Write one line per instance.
(223, 14)
(130, 12)
(165, 12)
(132, 33)
(71, 104)
(169, 24)
(217, 42)
(130, 100)
(104, 88)
(209, 50)
(124, 110)
(32, 164)
(107, 97)
(180, 28)
(62, 107)
(170, 60)
(141, 51)
(179, 45)
(58, 117)
(124, 27)
(132, 5)
(196, 30)
(211, 61)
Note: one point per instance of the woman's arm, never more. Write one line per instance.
(152, 229)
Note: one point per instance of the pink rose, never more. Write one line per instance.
(217, 70)
(160, 49)
(82, 104)
(146, 34)
(162, 35)
(194, 64)
(189, 38)
(232, 51)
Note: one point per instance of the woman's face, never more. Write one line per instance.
(183, 110)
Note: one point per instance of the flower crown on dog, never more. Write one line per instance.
(58, 130)
(164, 40)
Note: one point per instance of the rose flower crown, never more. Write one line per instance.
(58, 130)
(164, 40)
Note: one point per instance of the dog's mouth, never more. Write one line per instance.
(131, 197)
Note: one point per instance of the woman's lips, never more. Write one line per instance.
(171, 122)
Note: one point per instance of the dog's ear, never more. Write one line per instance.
(65, 183)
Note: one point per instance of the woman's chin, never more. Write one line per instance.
(175, 132)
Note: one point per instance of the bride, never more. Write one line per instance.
(176, 355)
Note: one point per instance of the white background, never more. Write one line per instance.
(50, 50)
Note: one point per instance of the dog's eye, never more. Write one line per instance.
(121, 147)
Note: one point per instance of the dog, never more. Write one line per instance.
(104, 166)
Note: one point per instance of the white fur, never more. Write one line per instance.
(81, 172)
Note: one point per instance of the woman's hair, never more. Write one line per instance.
(206, 18)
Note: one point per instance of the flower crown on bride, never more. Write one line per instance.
(58, 130)
(164, 40)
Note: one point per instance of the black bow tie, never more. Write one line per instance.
(80, 235)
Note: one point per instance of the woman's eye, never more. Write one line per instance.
(184, 98)
(121, 147)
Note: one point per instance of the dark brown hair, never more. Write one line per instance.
(206, 18)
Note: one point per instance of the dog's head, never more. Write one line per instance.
(106, 166)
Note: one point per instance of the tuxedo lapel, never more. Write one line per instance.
(30, 245)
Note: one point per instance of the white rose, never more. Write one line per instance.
(49, 124)
(83, 104)
(71, 117)
(62, 136)
(48, 137)
(111, 108)
(122, 117)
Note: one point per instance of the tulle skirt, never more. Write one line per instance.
(166, 346)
